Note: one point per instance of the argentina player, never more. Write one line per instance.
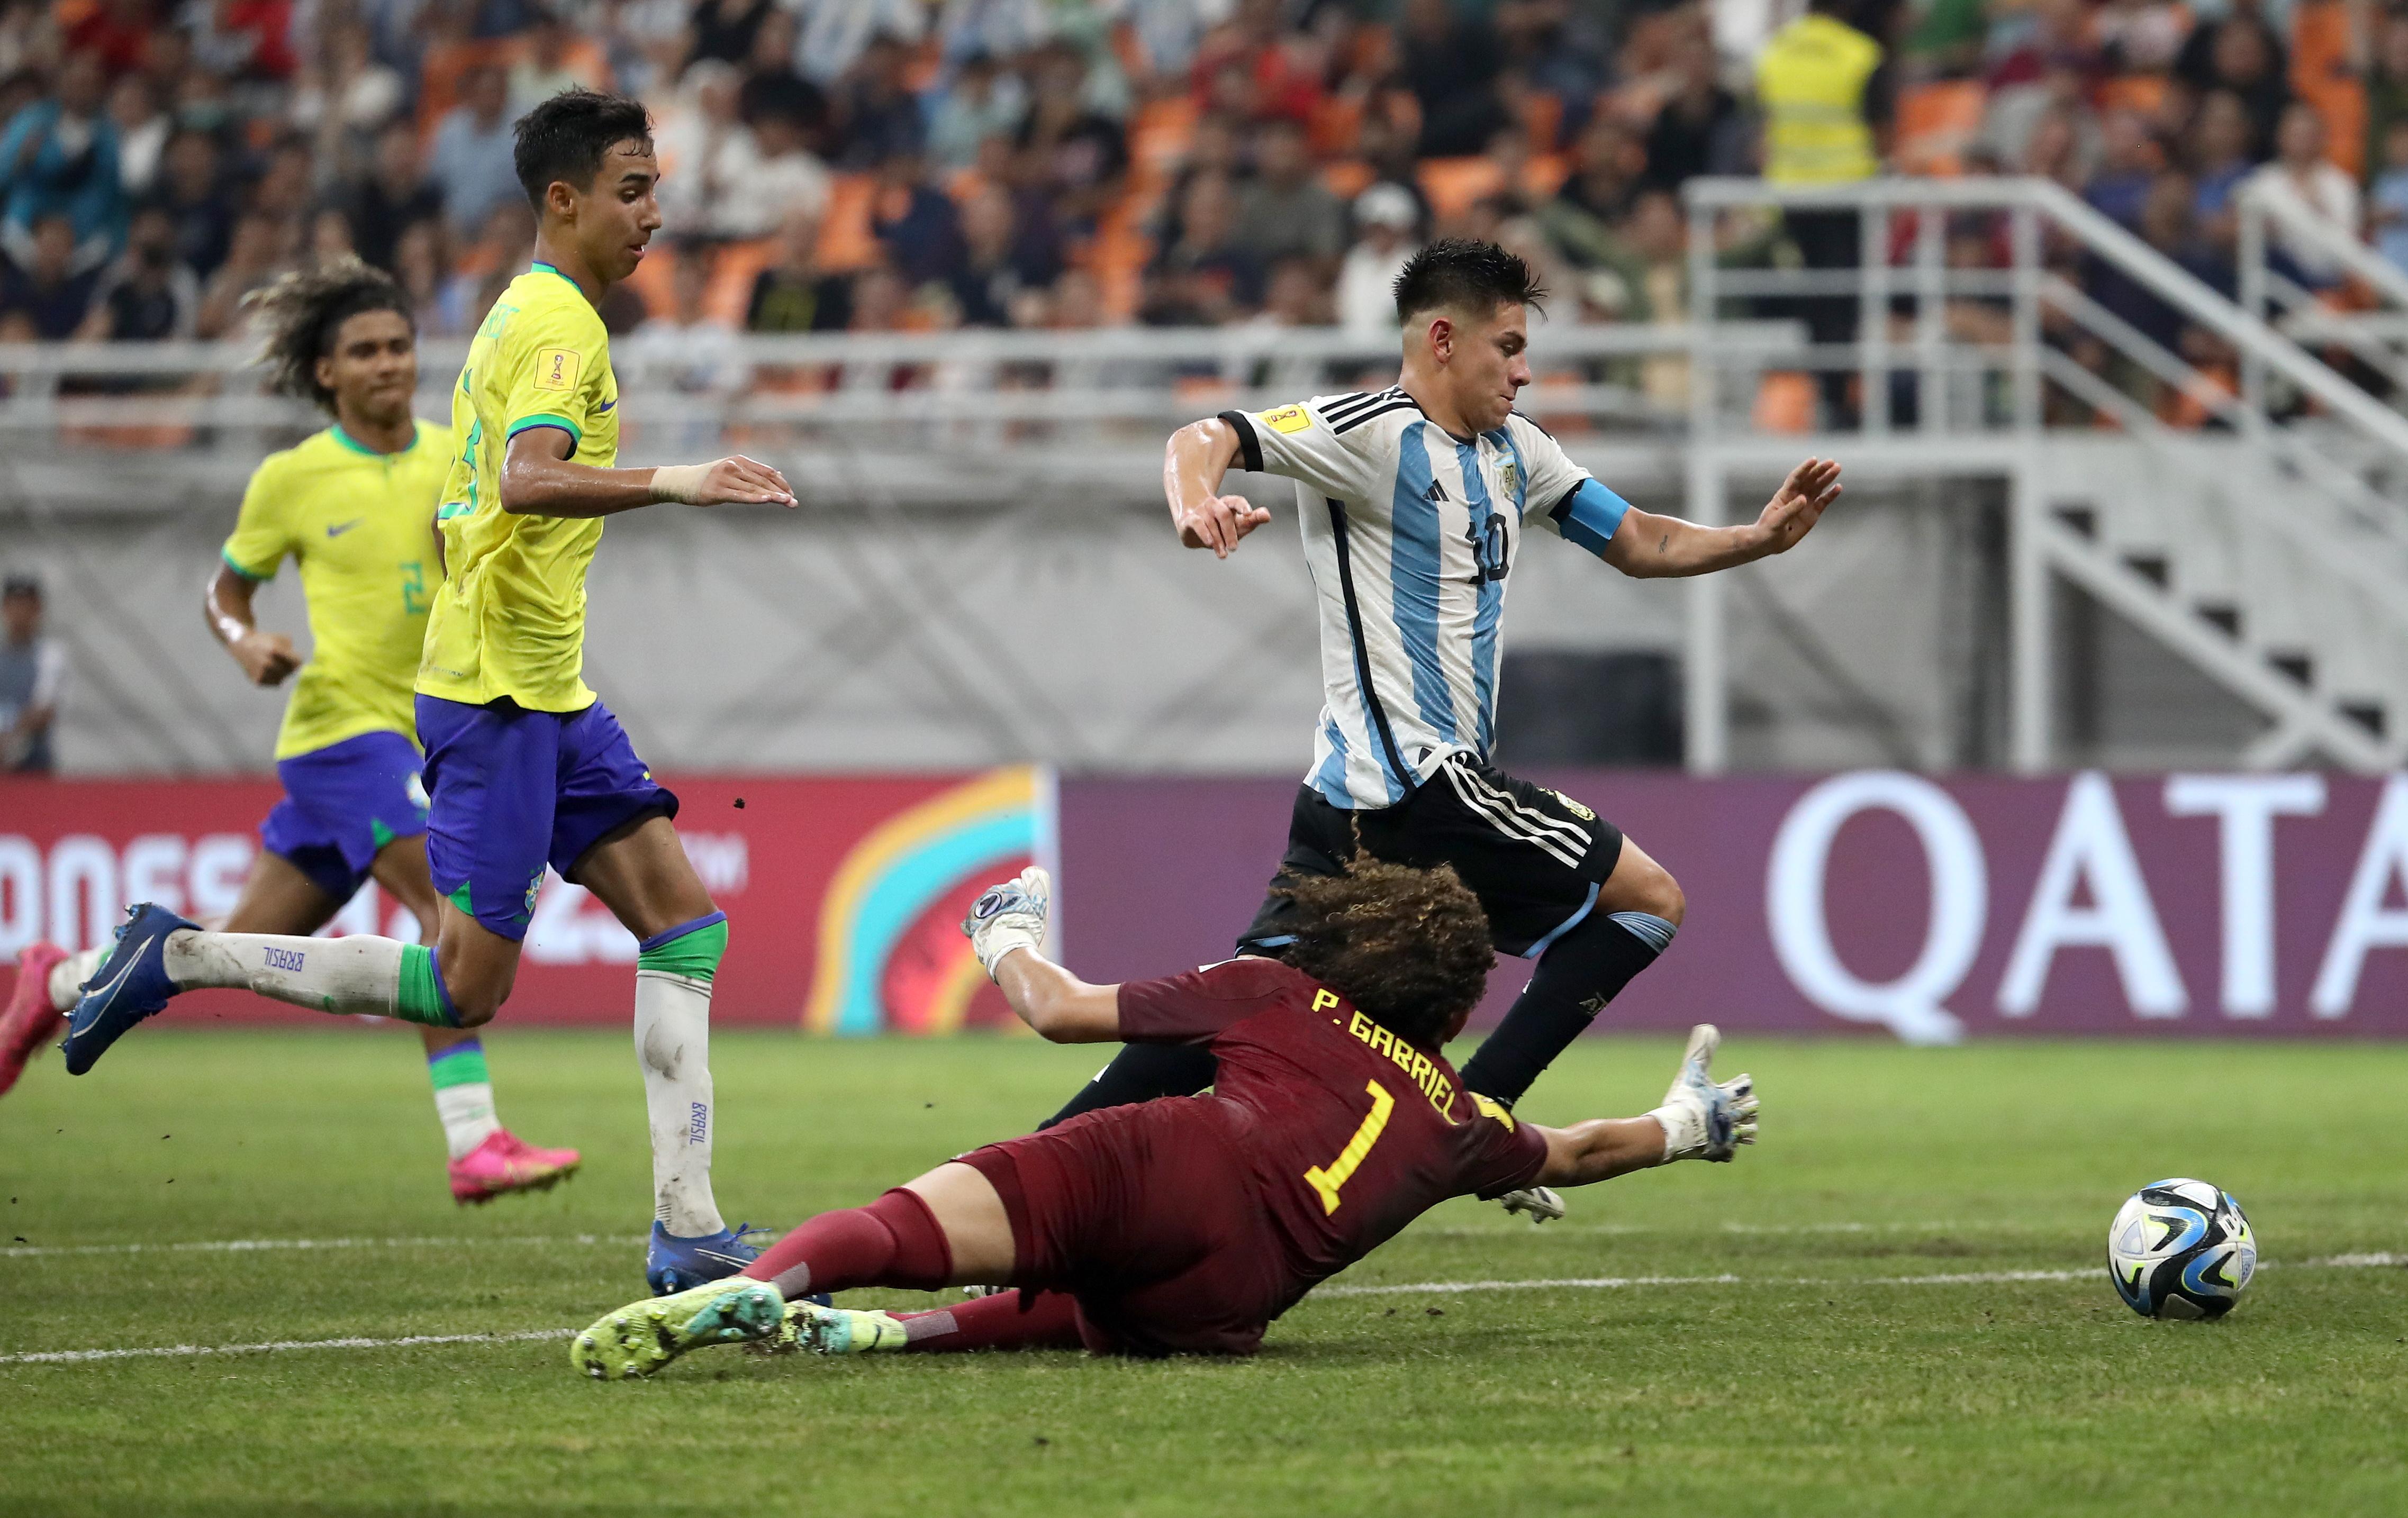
(1412, 503)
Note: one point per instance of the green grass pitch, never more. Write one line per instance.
(1840, 1372)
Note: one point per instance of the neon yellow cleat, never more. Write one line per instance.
(832, 1330)
(642, 1336)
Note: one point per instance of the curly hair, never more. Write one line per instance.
(303, 312)
(1407, 947)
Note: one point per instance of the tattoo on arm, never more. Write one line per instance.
(1660, 542)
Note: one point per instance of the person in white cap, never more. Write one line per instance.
(1385, 216)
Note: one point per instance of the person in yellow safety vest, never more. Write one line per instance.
(1823, 88)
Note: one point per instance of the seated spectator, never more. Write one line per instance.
(1296, 296)
(2304, 184)
(2386, 89)
(1384, 217)
(58, 157)
(1285, 211)
(2220, 162)
(876, 111)
(1450, 63)
(148, 295)
(2140, 37)
(2389, 221)
(786, 177)
(241, 39)
(420, 256)
(114, 31)
(2167, 225)
(263, 248)
(487, 265)
(706, 157)
(557, 58)
(393, 197)
(1213, 151)
(916, 223)
(193, 190)
(1700, 130)
(982, 101)
(837, 33)
(1205, 278)
(1256, 68)
(471, 157)
(348, 99)
(2241, 54)
(2058, 100)
(2129, 163)
(795, 294)
(1551, 47)
(142, 132)
(723, 30)
(999, 267)
(685, 347)
(772, 88)
(45, 286)
(1580, 221)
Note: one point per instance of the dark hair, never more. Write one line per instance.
(305, 311)
(567, 136)
(1407, 947)
(1460, 274)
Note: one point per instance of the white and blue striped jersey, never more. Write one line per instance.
(1409, 531)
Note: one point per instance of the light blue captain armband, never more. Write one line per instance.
(1589, 514)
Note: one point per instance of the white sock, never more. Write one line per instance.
(356, 973)
(463, 1096)
(69, 974)
(467, 1114)
(673, 1047)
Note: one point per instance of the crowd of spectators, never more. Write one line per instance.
(872, 165)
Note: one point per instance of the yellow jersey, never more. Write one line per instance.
(509, 619)
(1809, 83)
(360, 523)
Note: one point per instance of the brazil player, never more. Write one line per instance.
(525, 766)
(355, 507)
(1413, 502)
(1186, 1225)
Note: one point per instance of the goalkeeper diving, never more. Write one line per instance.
(1187, 1225)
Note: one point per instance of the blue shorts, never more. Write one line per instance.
(342, 803)
(515, 790)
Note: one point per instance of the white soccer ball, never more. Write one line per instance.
(2181, 1249)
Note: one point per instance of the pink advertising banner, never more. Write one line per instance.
(1932, 909)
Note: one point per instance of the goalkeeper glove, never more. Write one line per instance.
(1703, 1119)
(1009, 916)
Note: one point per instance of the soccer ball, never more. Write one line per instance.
(2181, 1249)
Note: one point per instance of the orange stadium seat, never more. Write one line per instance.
(731, 280)
(1455, 185)
(2322, 76)
(1936, 123)
(1348, 177)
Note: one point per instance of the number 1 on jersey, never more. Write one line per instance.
(1326, 1180)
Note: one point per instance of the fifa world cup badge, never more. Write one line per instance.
(1288, 419)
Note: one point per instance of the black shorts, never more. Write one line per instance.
(1534, 857)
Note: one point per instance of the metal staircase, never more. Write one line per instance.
(2266, 544)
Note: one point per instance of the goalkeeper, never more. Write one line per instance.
(1188, 1224)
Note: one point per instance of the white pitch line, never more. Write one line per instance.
(1959, 1278)
(169, 1350)
(1968, 1278)
(237, 1246)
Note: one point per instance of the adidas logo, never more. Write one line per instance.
(1436, 493)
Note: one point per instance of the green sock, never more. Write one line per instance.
(421, 998)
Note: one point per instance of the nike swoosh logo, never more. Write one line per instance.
(610, 405)
(104, 993)
(340, 528)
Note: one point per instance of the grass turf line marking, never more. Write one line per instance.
(237, 1246)
(1966, 1277)
(1959, 1278)
(167, 1351)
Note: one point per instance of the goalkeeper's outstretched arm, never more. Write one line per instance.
(1007, 931)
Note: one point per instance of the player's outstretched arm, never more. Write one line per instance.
(1648, 547)
(1006, 928)
(1194, 461)
(1701, 1119)
(266, 658)
(539, 479)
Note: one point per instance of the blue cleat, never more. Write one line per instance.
(675, 1265)
(130, 985)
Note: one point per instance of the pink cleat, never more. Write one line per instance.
(502, 1165)
(30, 1021)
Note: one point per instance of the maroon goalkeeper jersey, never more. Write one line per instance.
(1350, 1132)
